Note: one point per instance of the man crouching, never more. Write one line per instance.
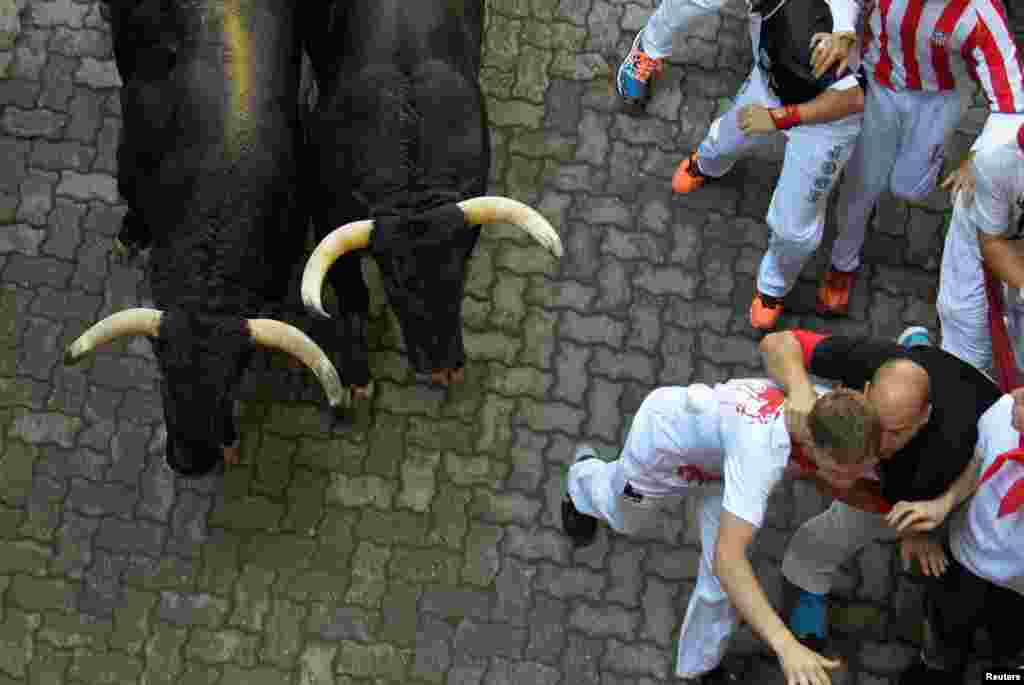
(727, 446)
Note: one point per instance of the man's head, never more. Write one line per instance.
(846, 434)
(900, 391)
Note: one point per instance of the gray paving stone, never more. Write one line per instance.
(30, 54)
(583, 658)
(156, 487)
(91, 265)
(676, 350)
(74, 551)
(513, 586)
(80, 43)
(21, 238)
(606, 620)
(54, 156)
(36, 197)
(39, 351)
(341, 623)
(433, 648)
(592, 329)
(189, 529)
(190, 609)
(57, 13)
(98, 74)
(103, 219)
(106, 145)
(86, 115)
(626, 573)
(57, 83)
(33, 123)
(136, 537)
(547, 633)
(21, 93)
(605, 420)
(490, 639)
(636, 659)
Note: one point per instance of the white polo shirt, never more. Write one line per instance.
(988, 545)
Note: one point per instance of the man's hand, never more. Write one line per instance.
(803, 666)
(828, 49)
(755, 120)
(961, 180)
(929, 554)
(919, 517)
(798, 408)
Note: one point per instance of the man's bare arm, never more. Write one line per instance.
(832, 105)
(918, 517)
(784, 358)
(1003, 257)
(800, 664)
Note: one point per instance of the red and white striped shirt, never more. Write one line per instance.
(939, 45)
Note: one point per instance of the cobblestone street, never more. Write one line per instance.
(416, 540)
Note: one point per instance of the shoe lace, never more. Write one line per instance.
(644, 66)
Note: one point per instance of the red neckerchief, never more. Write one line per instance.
(798, 455)
(1014, 497)
(1005, 361)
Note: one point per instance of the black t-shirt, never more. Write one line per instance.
(785, 49)
(960, 394)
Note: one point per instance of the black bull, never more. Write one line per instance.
(399, 136)
(208, 168)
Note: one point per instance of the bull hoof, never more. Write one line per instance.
(232, 455)
(362, 392)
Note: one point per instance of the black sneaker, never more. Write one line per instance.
(582, 528)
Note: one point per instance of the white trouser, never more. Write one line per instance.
(671, 17)
(825, 542)
(596, 488)
(901, 148)
(815, 154)
(962, 302)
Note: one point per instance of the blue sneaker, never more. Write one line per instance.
(635, 74)
(809, 616)
(914, 336)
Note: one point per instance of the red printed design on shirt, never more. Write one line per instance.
(760, 402)
(693, 473)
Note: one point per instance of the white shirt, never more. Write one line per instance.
(993, 548)
(734, 432)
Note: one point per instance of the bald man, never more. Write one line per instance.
(929, 402)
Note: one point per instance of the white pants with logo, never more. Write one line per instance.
(596, 488)
(962, 302)
(825, 542)
(671, 17)
(815, 154)
(901, 148)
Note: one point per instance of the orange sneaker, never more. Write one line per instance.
(688, 176)
(765, 311)
(834, 292)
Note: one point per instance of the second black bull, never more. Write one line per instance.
(400, 153)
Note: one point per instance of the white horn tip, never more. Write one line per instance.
(312, 304)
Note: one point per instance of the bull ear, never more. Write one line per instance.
(287, 338)
(351, 236)
(504, 210)
(130, 322)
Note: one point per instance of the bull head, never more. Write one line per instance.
(202, 359)
(424, 277)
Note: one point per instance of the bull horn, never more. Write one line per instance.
(503, 210)
(135, 321)
(351, 236)
(288, 338)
